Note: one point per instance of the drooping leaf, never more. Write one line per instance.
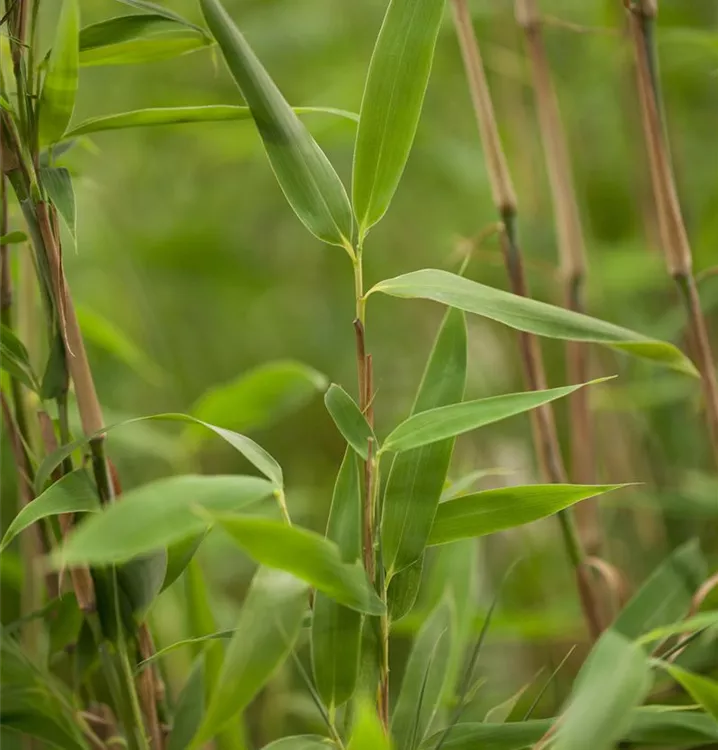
(336, 630)
(253, 452)
(138, 51)
(15, 360)
(157, 514)
(179, 556)
(444, 422)
(268, 625)
(306, 555)
(13, 238)
(260, 397)
(391, 106)
(693, 624)
(368, 733)
(504, 508)
(107, 335)
(349, 420)
(666, 596)
(424, 679)
(141, 118)
(155, 8)
(416, 478)
(614, 679)
(403, 590)
(73, 493)
(702, 689)
(58, 184)
(304, 173)
(529, 315)
(57, 98)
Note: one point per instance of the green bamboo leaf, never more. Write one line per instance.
(55, 378)
(500, 713)
(306, 555)
(196, 641)
(268, 625)
(495, 510)
(349, 420)
(259, 397)
(301, 742)
(140, 118)
(253, 452)
(58, 184)
(701, 621)
(13, 238)
(57, 98)
(702, 689)
(138, 51)
(74, 493)
(146, 6)
(304, 173)
(391, 106)
(190, 707)
(667, 594)
(140, 581)
(529, 315)
(403, 590)
(15, 360)
(416, 478)
(105, 334)
(179, 556)
(424, 679)
(368, 733)
(461, 486)
(155, 515)
(614, 679)
(444, 422)
(124, 28)
(336, 630)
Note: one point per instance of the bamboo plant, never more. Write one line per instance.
(337, 596)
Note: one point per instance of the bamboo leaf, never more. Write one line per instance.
(190, 707)
(58, 184)
(259, 397)
(495, 510)
(199, 640)
(531, 316)
(667, 594)
(304, 173)
(444, 422)
(13, 238)
(349, 420)
(500, 713)
(702, 689)
(614, 679)
(268, 625)
(15, 360)
(417, 477)
(462, 485)
(57, 98)
(403, 590)
(156, 515)
(140, 581)
(424, 679)
(305, 555)
(149, 7)
(253, 452)
(124, 28)
(368, 733)
(300, 742)
(391, 106)
(138, 51)
(701, 621)
(73, 493)
(154, 116)
(179, 556)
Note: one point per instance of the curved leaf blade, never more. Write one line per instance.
(349, 420)
(58, 184)
(156, 515)
(122, 29)
(305, 555)
(391, 106)
(496, 510)
(137, 51)
(304, 173)
(530, 316)
(15, 360)
(444, 422)
(149, 7)
(702, 689)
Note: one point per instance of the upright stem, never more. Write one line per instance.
(544, 428)
(572, 254)
(672, 231)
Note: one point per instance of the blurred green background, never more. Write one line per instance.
(187, 246)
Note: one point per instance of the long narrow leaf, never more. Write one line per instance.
(138, 51)
(304, 173)
(149, 7)
(701, 689)
(349, 420)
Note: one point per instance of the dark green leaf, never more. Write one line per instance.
(57, 98)
(179, 556)
(141, 579)
(529, 315)
(15, 360)
(504, 508)
(349, 420)
(393, 97)
(417, 477)
(268, 625)
(306, 555)
(157, 514)
(614, 679)
(336, 630)
(58, 184)
(137, 51)
(304, 173)
(74, 493)
(424, 679)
